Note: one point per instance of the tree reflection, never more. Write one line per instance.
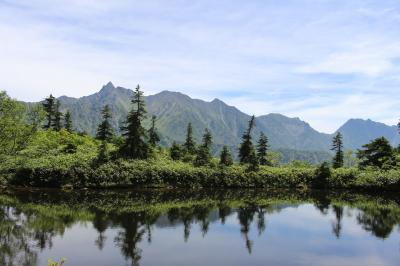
(379, 221)
(29, 224)
(337, 224)
(129, 236)
(15, 240)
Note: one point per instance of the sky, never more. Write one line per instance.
(324, 61)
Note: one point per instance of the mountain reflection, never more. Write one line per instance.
(29, 221)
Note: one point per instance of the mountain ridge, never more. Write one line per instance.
(227, 123)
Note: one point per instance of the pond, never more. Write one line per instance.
(173, 227)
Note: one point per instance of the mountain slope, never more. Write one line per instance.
(358, 132)
(175, 110)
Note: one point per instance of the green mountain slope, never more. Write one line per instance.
(175, 110)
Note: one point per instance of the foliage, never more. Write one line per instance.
(175, 151)
(246, 149)
(68, 122)
(203, 155)
(262, 148)
(322, 175)
(49, 108)
(377, 153)
(189, 145)
(152, 132)
(14, 132)
(253, 161)
(105, 131)
(337, 147)
(57, 121)
(225, 157)
(135, 145)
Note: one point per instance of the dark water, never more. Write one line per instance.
(199, 228)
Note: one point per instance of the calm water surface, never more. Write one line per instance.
(198, 228)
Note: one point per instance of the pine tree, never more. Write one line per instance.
(262, 149)
(203, 156)
(57, 121)
(337, 146)
(225, 157)
(105, 131)
(135, 145)
(246, 147)
(153, 136)
(189, 145)
(48, 106)
(377, 153)
(68, 122)
(253, 161)
(103, 155)
(175, 151)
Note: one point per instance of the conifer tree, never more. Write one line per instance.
(246, 147)
(262, 149)
(135, 145)
(57, 121)
(203, 156)
(377, 153)
(253, 161)
(189, 145)
(103, 155)
(225, 157)
(105, 131)
(337, 146)
(48, 106)
(153, 135)
(175, 151)
(68, 121)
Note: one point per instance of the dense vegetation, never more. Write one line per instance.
(40, 148)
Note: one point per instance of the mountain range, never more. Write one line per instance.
(175, 110)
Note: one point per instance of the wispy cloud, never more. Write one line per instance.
(323, 61)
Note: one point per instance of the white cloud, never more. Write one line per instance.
(301, 58)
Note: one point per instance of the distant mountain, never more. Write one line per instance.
(175, 110)
(358, 132)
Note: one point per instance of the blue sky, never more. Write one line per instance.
(321, 60)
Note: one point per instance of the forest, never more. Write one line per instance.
(39, 147)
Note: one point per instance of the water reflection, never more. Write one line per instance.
(29, 221)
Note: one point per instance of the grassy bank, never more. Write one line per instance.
(57, 159)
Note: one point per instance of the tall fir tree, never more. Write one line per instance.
(262, 149)
(203, 155)
(68, 122)
(175, 151)
(48, 106)
(153, 135)
(253, 161)
(337, 147)
(105, 131)
(58, 116)
(246, 147)
(103, 154)
(135, 145)
(189, 145)
(225, 157)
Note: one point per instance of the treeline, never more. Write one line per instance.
(41, 148)
(137, 142)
